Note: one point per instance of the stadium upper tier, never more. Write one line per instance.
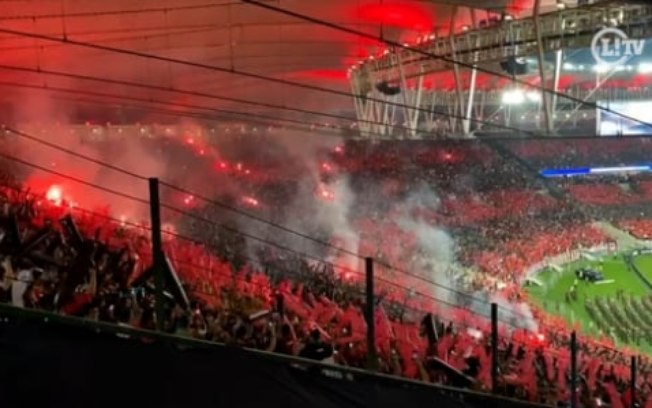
(465, 82)
(560, 30)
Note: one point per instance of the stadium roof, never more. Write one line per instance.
(73, 47)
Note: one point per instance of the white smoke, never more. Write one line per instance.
(436, 257)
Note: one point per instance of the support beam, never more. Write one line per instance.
(559, 56)
(632, 379)
(415, 113)
(404, 93)
(494, 348)
(545, 96)
(599, 82)
(372, 360)
(469, 103)
(157, 253)
(456, 67)
(361, 107)
(573, 367)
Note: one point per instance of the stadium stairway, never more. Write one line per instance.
(624, 240)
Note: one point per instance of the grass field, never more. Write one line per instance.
(551, 296)
(644, 264)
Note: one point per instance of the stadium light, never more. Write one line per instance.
(513, 97)
(609, 128)
(568, 66)
(533, 96)
(601, 68)
(645, 67)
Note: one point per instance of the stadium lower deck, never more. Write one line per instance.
(447, 223)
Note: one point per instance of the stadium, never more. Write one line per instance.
(343, 203)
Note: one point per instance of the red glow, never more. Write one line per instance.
(54, 195)
(517, 6)
(189, 200)
(326, 167)
(339, 149)
(221, 165)
(397, 15)
(168, 229)
(322, 75)
(250, 201)
(325, 194)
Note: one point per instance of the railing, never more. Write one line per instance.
(217, 372)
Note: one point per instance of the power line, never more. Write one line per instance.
(395, 44)
(251, 75)
(235, 114)
(119, 12)
(148, 36)
(166, 112)
(185, 92)
(233, 209)
(182, 92)
(254, 119)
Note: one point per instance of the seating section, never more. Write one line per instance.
(641, 228)
(420, 209)
(230, 306)
(602, 194)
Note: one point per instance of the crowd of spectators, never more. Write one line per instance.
(77, 263)
(309, 312)
(580, 152)
(639, 228)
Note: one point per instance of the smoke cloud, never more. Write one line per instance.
(287, 178)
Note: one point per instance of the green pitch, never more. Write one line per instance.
(624, 299)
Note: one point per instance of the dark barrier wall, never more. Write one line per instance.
(64, 362)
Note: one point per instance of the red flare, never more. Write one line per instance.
(251, 201)
(325, 194)
(54, 195)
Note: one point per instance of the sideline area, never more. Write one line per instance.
(621, 298)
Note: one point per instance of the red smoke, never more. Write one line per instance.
(322, 75)
(405, 16)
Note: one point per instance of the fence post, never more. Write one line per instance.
(633, 382)
(494, 348)
(157, 252)
(372, 361)
(573, 377)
